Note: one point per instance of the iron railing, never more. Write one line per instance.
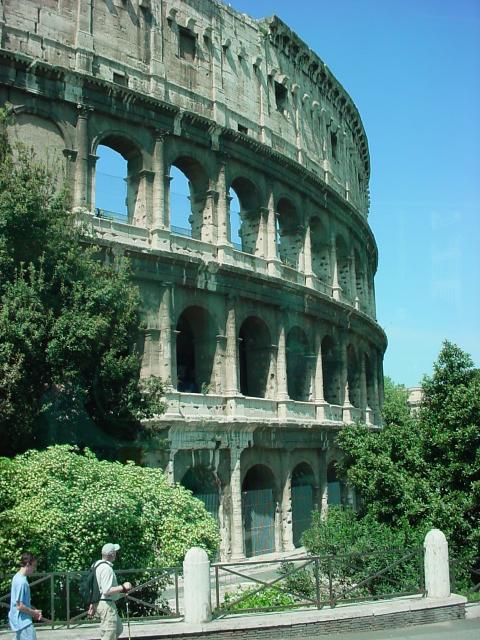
(318, 581)
(57, 594)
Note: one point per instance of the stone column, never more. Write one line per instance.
(336, 288)
(225, 250)
(231, 355)
(307, 252)
(151, 354)
(261, 248)
(323, 484)
(353, 281)
(84, 36)
(80, 191)
(286, 511)
(168, 356)
(160, 222)
(238, 549)
(282, 383)
(272, 252)
(347, 405)
(318, 390)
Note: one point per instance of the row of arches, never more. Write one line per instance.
(210, 206)
(261, 498)
(256, 357)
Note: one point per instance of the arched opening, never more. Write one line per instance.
(180, 208)
(204, 485)
(119, 183)
(353, 373)
(245, 215)
(254, 357)
(195, 350)
(299, 365)
(343, 267)
(335, 488)
(258, 510)
(190, 182)
(331, 371)
(289, 236)
(303, 492)
(320, 250)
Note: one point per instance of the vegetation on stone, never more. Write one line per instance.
(69, 316)
(63, 505)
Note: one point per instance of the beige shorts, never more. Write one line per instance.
(111, 626)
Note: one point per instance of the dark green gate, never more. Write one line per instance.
(211, 502)
(302, 506)
(258, 521)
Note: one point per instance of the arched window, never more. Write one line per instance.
(303, 490)
(196, 346)
(258, 510)
(188, 171)
(119, 192)
(235, 221)
(254, 356)
(299, 365)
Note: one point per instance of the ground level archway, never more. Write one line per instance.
(303, 500)
(204, 485)
(258, 509)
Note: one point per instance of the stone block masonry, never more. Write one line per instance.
(267, 348)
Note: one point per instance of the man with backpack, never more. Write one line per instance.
(108, 591)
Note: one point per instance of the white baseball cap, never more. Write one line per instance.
(109, 548)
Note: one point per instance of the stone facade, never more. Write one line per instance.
(267, 349)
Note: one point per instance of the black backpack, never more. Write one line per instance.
(89, 589)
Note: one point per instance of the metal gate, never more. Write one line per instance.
(302, 506)
(258, 521)
(211, 502)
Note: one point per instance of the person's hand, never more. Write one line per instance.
(127, 586)
(37, 615)
(91, 611)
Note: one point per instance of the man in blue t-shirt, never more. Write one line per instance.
(22, 614)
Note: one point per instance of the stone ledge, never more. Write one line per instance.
(399, 612)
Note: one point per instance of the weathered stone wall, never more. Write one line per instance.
(267, 349)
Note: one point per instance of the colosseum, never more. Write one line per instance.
(259, 304)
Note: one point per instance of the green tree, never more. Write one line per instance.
(69, 315)
(64, 505)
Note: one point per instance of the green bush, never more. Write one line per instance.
(249, 598)
(63, 506)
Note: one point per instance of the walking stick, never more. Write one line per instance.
(128, 619)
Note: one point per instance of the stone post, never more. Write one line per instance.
(282, 386)
(437, 569)
(318, 391)
(82, 160)
(238, 551)
(225, 249)
(307, 253)
(160, 221)
(168, 360)
(196, 572)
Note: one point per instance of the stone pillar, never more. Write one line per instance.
(272, 252)
(160, 217)
(353, 281)
(307, 252)
(437, 568)
(323, 484)
(238, 549)
(347, 405)
(287, 514)
(261, 244)
(80, 191)
(336, 288)
(168, 356)
(231, 355)
(151, 354)
(84, 36)
(196, 574)
(225, 249)
(282, 383)
(318, 390)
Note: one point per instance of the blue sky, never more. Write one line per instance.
(412, 67)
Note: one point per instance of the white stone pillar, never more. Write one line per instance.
(307, 253)
(196, 573)
(282, 385)
(287, 514)
(80, 198)
(168, 356)
(272, 252)
(353, 281)
(231, 355)
(318, 390)
(238, 549)
(437, 569)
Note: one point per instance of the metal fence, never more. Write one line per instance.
(155, 595)
(317, 581)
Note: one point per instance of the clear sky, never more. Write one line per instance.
(412, 67)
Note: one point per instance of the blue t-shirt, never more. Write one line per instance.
(20, 593)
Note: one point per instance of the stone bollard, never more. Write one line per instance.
(437, 569)
(196, 574)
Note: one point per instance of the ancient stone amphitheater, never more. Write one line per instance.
(269, 345)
